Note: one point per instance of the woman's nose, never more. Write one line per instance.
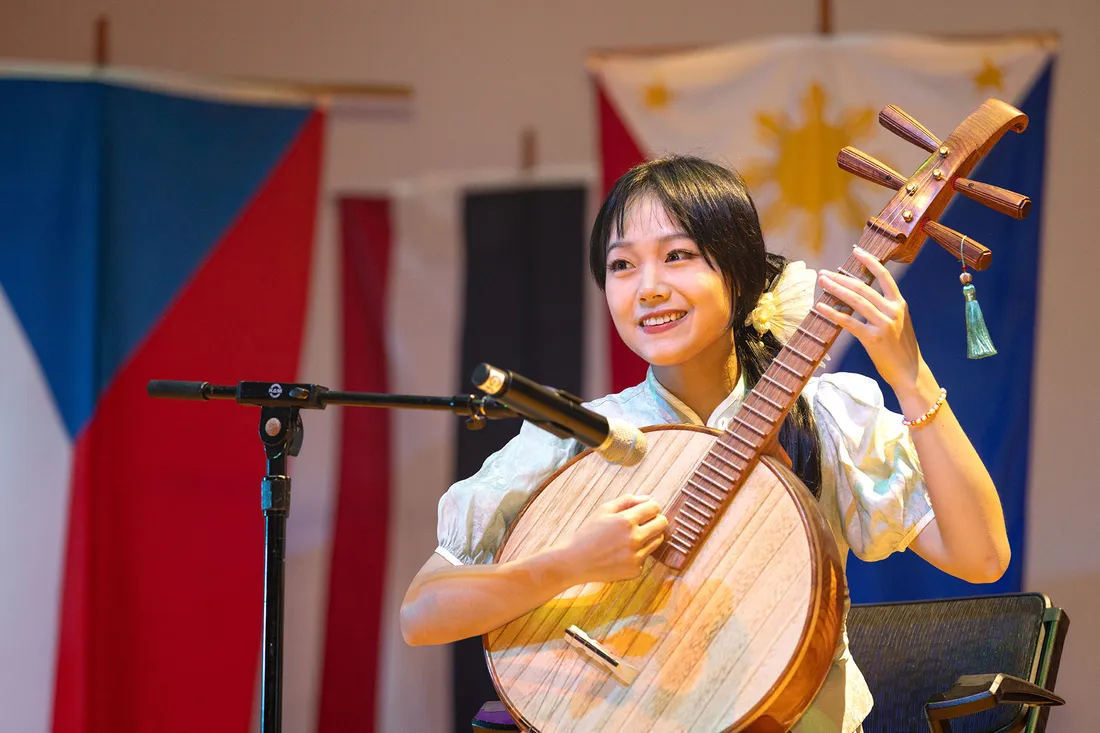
(653, 289)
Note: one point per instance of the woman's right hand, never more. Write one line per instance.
(614, 542)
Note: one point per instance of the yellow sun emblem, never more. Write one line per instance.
(805, 167)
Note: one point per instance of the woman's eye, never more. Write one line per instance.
(617, 265)
(680, 254)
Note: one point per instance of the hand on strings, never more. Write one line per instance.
(614, 542)
(886, 330)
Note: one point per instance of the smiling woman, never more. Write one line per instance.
(678, 251)
(682, 234)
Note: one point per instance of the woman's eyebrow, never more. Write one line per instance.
(662, 239)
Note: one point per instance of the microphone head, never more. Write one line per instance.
(489, 379)
(625, 444)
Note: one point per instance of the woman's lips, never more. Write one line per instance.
(664, 326)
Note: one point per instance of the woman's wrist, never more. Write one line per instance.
(917, 397)
(556, 568)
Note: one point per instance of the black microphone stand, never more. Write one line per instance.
(282, 433)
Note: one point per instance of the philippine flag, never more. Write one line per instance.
(779, 110)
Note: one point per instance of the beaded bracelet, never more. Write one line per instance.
(916, 423)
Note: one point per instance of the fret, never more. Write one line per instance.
(681, 517)
(769, 400)
(687, 506)
(779, 384)
(792, 349)
(751, 427)
(738, 453)
(690, 533)
(678, 545)
(704, 502)
(812, 335)
(789, 368)
(842, 271)
(724, 460)
(754, 411)
(721, 473)
(708, 479)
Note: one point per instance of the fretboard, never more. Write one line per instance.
(752, 430)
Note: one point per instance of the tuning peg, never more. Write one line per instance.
(973, 253)
(867, 168)
(907, 128)
(1007, 202)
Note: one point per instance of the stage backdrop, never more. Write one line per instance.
(143, 234)
(779, 110)
(437, 279)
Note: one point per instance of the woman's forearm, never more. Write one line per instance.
(968, 510)
(446, 603)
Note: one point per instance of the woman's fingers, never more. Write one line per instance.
(641, 513)
(885, 280)
(861, 298)
(857, 327)
(650, 547)
(655, 527)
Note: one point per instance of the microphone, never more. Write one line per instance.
(617, 441)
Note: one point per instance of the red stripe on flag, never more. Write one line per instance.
(161, 614)
(350, 680)
(619, 152)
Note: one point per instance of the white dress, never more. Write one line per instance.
(872, 494)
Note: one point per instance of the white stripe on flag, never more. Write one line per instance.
(425, 317)
(35, 479)
(315, 476)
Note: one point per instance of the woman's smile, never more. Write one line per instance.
(661, 321)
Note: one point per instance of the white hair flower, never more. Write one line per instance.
(783, 308)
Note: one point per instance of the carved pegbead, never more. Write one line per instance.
(863, 165)
(973, 253)
(907, 128)
(1006, 202)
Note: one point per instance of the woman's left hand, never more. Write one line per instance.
(887, 332)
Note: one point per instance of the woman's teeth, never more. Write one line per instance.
(658, 320)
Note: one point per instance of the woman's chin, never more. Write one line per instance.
(663, 357)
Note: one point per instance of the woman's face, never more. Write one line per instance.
(667, 303)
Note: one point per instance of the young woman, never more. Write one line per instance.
(678, 252)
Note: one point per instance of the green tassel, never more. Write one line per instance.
(978, 343)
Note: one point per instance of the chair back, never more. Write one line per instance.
(911, 651)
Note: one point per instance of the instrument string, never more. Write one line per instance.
(890, 216)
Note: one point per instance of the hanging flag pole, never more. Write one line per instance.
(321, 91)
(102, 41)
(825, 17)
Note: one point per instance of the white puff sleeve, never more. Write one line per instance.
(475, 512)
(868, 458)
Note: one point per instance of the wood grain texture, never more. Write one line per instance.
(739, 640)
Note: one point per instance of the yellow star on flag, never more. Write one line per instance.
(657, 95)
(990, 76)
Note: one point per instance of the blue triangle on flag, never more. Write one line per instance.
(991, 397)
(110, 199)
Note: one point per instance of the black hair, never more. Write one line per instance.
(714, 207)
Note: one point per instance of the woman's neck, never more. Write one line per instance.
(705, 381)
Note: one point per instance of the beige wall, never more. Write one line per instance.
(483, 69)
